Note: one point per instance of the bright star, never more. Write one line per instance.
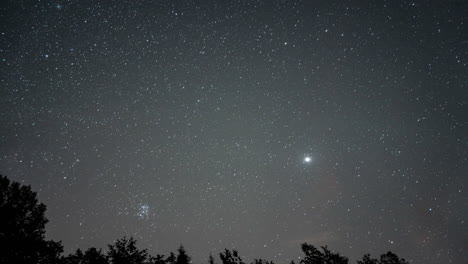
(307, 159)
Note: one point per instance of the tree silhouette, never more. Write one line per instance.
(124, 251)
(94, 256)
(159, 259)
(366, 259)
(211, 259)
(262, 261)
(91, 256)
(182, 257)
(76, 258)
(22, 227)
(388, 258)
(315, 256)
(50, 252)
(229, 257)
(391, 258)
(171, 259)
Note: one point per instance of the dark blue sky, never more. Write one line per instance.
(189, 121)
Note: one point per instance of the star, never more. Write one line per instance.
(307, 159)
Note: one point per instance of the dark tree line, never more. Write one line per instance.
(22, 241)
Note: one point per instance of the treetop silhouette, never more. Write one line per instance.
(387, 258)
(229, 257)
(124, 251)
(91, 256)
(315, 256)
(182, 257)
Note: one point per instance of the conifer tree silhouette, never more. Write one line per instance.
(229, 257)
(182, 257)
(171, 259)
(22, 227)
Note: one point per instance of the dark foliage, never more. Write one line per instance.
(124, 251)
(22, 227)
(171, 259)
(159, 259)
(391, 258)
(182, 257)
(211, 259)
(388, 258)
(262, 261)
(366, 259)
(91, 256)
(229, 257)
(315, 256)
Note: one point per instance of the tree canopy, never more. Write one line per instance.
(314, 256)
(22, 226)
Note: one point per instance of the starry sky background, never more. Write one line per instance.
(189, 122)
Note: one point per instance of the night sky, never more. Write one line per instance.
(254, 125)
